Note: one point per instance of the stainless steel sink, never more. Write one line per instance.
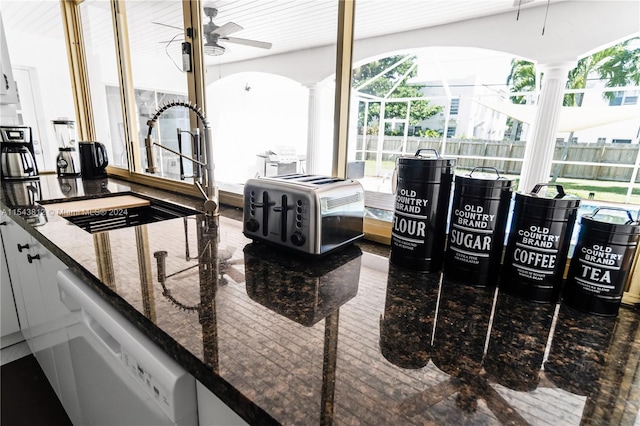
(99, 214)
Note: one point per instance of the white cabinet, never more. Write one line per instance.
(33, 269)
(9, 322)
(11, 233)
(8, 88)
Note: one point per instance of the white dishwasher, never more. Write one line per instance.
(110, 373)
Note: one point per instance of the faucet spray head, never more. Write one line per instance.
(162, 270)
(148, 143)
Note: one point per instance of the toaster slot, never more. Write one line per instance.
(310, 178)
(293, 176)
(264, 205)
(283, 209)
(326, 181)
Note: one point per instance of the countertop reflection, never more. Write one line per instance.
(345, 339)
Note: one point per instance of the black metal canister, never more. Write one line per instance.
(479, 213)
(538, 244)
(601, 262)
(420, 212)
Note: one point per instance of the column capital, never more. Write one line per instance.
(557, 69)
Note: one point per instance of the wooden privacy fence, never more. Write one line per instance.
(599, 161)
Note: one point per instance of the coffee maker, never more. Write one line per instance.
(18, 159)
(67, 161)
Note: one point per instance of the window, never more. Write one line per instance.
(616, 100)
(455, 106)
(451, 132)
(162, 54)
(41, 72)
(629, 97)
(104, 80)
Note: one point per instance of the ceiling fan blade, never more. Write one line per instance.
(228, 28)
(247, 42)
(167, 25)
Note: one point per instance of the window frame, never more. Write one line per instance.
(72, 26)
(196, 83)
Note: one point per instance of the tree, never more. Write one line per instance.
(522, 79)
(381, 86)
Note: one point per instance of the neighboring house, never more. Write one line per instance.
(467, 117)
(623, 131)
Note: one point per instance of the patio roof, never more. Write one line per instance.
(571, 118)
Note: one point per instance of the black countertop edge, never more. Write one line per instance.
(228, 394)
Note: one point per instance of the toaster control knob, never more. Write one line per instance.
(252, 225)
(298, 239)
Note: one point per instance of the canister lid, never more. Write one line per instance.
(548, 199)
(613, 219)
(485, 180)
(422, 160)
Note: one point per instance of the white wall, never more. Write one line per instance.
(273, 112)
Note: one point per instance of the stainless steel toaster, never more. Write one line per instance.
(310, 214)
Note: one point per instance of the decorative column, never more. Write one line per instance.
(538, 154)
(313, 130)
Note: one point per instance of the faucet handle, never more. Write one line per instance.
(210, 206)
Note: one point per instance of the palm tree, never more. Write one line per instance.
(522, 78)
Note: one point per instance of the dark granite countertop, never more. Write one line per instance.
(348, 338)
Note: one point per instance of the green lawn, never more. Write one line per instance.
(602, 190)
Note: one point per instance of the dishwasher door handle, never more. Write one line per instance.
(102, 334)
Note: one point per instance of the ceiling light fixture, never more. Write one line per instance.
(213, 49)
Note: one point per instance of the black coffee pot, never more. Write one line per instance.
(93, 160)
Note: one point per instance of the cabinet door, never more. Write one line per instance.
(24, 256)
(8, 90)
(47, 266)
(12, 236)
(9, 322)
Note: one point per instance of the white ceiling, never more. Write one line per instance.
(289, 24)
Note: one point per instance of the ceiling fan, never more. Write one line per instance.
(216, 35)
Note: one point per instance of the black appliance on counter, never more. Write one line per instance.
(18, 157)
(93, 160)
